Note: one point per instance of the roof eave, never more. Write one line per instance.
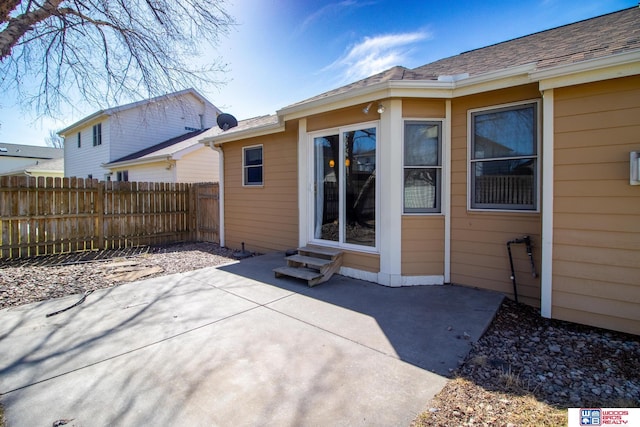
(223, 138)
(109, 111)
(83, 122)
(141, 161)
(412, 88)
(609, 67)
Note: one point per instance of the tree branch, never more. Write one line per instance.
(106, 51)
(20, 25)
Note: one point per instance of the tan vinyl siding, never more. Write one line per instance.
(264, 217)
(422, 245)
(596, 255)
(361, 261)
(345, 116)
(479, 255)
(423, 108)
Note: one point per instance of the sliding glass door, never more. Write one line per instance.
(344, 177)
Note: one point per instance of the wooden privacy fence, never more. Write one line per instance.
(40, 216)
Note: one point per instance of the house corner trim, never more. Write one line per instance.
(546, 276)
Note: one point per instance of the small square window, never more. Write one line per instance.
(252, 165)
(122, 176)
(97, 134)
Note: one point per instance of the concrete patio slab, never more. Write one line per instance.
(236, 346)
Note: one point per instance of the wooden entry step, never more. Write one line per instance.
(314, 264)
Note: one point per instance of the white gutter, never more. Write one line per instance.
(444, 88)
(231, 135)
(613, 66)
(166, 158)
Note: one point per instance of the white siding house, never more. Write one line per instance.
(114, 143)
(30, 160)
(180, 159)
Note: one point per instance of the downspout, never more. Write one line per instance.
(546, 264)
(220, 190)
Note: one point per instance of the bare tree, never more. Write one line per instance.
(53, 140)
(104, 51)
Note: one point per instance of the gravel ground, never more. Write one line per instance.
(527, 370)
(524, 366)
(42, 278)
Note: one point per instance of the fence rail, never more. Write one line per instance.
(41, 216)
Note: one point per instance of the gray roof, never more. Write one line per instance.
(598, 37)
(30, 151)
(243, 125)
(165, 148)
(50, 165)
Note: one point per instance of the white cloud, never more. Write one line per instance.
(329, 10)
(375, 54)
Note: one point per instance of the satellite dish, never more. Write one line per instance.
(226, 121)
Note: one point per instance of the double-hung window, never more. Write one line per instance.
(97, 134)
(252, 165)
(503, 160)
(422, 166)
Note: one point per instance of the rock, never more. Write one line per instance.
(555, 348)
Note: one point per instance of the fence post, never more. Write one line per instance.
(99, 213)
(193, 209)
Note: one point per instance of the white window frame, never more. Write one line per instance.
(340, 131)
(97, 134)
(245, 166)
(438, 210)
(537, 156)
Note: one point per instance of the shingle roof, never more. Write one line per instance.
(168, 147)
(598, 37)
(48, 165)
(589, 39)
(251, 123)
(30, 151)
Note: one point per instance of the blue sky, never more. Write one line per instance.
(282, 52)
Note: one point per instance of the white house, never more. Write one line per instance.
(150, 140)
(30, 160)
(179, 159)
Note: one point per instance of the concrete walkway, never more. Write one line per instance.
(234, 346)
